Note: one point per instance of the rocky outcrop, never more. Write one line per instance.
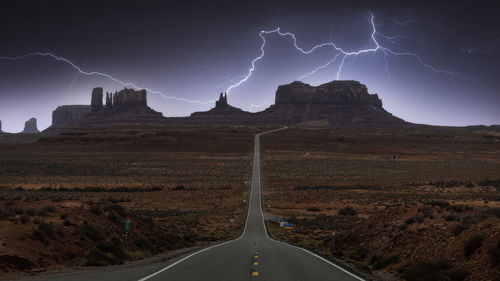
(30, 127)
(342, 93)
(333, 104)
(222, 102)
(125, 106)
(66, 115)
(1, 127)
(337, 103)
(126, 99)
(96, 100)
(222, 112)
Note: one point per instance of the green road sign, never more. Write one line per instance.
(127, 225)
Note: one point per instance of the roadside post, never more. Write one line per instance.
(333, 242)
(127, 229)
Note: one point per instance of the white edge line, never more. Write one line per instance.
(214, 246)
(244, 230)
(185, 258)
(286, 244)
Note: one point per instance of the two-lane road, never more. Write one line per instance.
(252, 256)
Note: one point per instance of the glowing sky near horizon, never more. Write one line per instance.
(195, 53)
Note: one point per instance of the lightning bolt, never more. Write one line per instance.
(96, 73)
(483, 51)
(341, 55)
(340, 52)
(396, 21)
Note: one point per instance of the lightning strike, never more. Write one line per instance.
(343, 53)
(96, 73)
(339, 52)
(483, 51)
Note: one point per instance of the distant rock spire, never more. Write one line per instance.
(109, 101)
(222, 102)
(96, 101)
(30, 127)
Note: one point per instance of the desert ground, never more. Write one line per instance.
(412, 204)
(398, 204)
(64, 200)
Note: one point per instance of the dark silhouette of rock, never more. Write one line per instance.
(222, 102)
(96, 101)
(68, 114)
(129, 98)
(125, 106)
(30, 127)
(336, 92)
(1, 127)
(222, 113)
(333, 104)
(109, 100)
(337, 104)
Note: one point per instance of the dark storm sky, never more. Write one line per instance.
(190, 49)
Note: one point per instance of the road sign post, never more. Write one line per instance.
(333, 242)
(127, 229)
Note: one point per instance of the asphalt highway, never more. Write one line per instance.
(252, 256)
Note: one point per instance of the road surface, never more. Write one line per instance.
(252, 256)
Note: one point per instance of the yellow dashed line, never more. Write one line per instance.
(256, 257)
(255, 263)
(255, 273)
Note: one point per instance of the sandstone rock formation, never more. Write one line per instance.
(118, 101)
(30, 127)
(333, 104)
(96, 101)
(222, 113)
(67, 114)
(125, 106)
(126, 99)
(337, 103)
(335, 92)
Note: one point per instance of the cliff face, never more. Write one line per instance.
(337, 103)
(126, 99)
(30, 127)
(96, 101)
(125, 106)
(67, 114)
(346, 93)
(334, 104)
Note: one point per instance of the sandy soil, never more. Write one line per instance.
(400, 202)
(64, 200)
